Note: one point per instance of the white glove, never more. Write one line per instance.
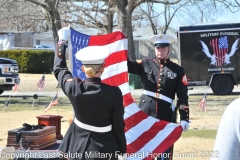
(185, 125)
(64, 33)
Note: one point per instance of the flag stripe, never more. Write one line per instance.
(117, 79)
(169, 138)
(116, 58)
(138, 117)
(160, 138)
(101, 40)
(114, 69)
(127, 99)
(120, 45)
(131, 110)
(155, 145)
(124, 88)
(146, 137)
(138, 129)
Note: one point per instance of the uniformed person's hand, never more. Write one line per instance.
(184, 112)
(63, 34)
(185, 125)
(61, 48)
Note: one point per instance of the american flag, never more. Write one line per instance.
(202, 103)
(53, 102)
(40, 83)
(146, 136)
(220, 48)
(15, 88)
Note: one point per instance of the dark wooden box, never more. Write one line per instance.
(35, 139)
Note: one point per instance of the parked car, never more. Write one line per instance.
(8, 74)
(41, 46)
(38, 46)
(46, 46)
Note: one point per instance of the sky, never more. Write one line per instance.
(191, 15)
(226, 17)
(229, 16)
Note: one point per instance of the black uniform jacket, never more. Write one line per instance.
(160, 77)
(96, 104)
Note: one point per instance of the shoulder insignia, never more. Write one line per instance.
(184, 80)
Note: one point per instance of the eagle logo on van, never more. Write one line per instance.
(220, 49)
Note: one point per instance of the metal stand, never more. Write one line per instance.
(21, 146)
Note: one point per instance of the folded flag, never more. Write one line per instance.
(53, 102)
(40, 83)
(146, 136)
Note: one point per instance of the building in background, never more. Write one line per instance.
(15, 39)
(143, 48)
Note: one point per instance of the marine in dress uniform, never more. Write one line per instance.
(97, 131)
(161, 80)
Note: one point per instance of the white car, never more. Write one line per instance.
(42, 47)
(38, 46)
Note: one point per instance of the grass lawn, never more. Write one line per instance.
(200, 136)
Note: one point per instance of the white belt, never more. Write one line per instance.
(157, 95)
(92, 128)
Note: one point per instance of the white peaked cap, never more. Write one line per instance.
(93, 54)
(162, 39)
(64, 33)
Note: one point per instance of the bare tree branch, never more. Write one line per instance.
(237, 3)
(38, 3)
(175, 11)
(229, 5)
(150, 16)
